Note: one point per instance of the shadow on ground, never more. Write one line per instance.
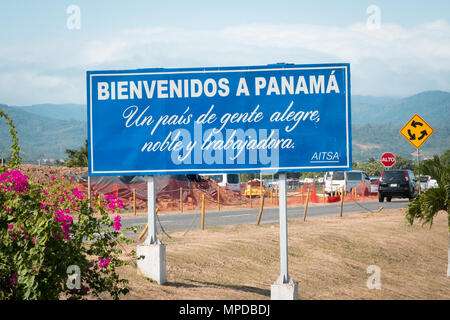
(197, 284)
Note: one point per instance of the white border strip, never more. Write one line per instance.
(217, 71)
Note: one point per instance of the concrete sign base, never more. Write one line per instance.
(284, 291)
(153, 263)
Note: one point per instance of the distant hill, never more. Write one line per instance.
(46, 130)
(40, 137)
(432, 106)
(376, 123)
(373, 140)
(75, 112)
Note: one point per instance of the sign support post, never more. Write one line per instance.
(283, 288)
(418, 157)
(152, 254)
(151, 199)
(418, 163)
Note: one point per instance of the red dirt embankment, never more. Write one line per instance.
(44, 174)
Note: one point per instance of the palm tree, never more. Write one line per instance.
(427, 205)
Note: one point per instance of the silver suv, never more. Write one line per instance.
(334, 180)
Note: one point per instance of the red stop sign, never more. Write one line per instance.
(388, 159)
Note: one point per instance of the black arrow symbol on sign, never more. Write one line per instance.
(414, 124)
(424, 133)
(411, 136)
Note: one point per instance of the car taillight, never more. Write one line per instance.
(381, 178)
(406, 175)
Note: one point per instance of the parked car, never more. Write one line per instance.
(348, 179)
(374, 182)
(432, 183)
(397, 184)
(427, 182)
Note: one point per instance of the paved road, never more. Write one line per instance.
(190, 221)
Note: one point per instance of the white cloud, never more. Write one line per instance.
(29, 87)
(99, 52)
(392, 60)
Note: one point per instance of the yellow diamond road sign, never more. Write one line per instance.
(416, 131)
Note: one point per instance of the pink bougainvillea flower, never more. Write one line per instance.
(112, 202)
(110, 197)
(65, 220)
(77, 193)
(102, 263)
(117, 224)
(14, 180)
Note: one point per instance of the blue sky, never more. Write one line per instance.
(43, 61)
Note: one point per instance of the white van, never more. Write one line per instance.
(348, 179)
(230, 181)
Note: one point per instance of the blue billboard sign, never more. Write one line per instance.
(274, 118)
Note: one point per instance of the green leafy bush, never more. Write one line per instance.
(49, 231)
(40, 239)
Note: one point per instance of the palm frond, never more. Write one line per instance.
(428, 204)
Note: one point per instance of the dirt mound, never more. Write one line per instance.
(168, 197)
(44, 174)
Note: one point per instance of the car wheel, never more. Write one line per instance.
(380, 198)
(388, 199)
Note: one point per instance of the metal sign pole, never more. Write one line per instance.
(151, 198)
(284, 275)
(418, 162)
(152, 254)
(418, 158)
(284, 288)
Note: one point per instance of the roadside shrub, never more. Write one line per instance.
(49, 231)
(46, 229)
